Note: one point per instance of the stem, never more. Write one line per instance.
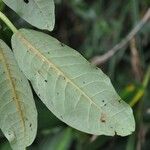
(8, 22)
(141, 92)
(147, 78)
(97, 60)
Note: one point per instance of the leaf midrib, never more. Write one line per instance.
(13, 87)
(58, 70)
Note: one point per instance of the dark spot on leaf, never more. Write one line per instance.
(96, 68)
(61, 117)
(30, 125)
(111, 127)
(47, 52)
(4, 72)
(103, 117)
(119, 100)
(57, 93)
(83, 82)
(62, 44)
(46, 81)
(105, 104)
(103, 101)
(26, 1)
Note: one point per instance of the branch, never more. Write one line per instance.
(97, 60)
(8, 22)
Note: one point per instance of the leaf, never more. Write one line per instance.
(18, 115)
(46, 120)
(39, 13)
(78, 93)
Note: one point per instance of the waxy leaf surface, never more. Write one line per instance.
(39, 13)
(18, 115)
(77, 92)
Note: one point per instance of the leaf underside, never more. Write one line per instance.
(39, 13)
(78, 93)
(18, 115)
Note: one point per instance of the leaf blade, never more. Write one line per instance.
(82, 97)
(39, 13)
(17, 122)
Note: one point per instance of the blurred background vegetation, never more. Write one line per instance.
(93, 27)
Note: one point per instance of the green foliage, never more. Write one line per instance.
(18, 116)
(39, 13)
(81, 94)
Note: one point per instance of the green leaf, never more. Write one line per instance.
(46, 120)
(18, 115)
(39, 13)
(78, 93)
